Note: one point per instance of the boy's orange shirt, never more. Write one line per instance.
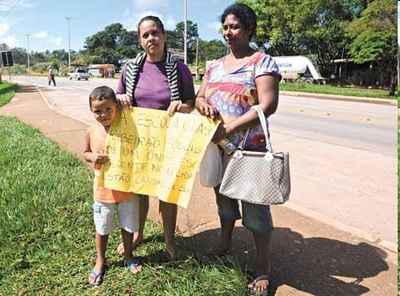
(97, 139)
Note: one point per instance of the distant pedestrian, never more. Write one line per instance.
(51, 75)
(103, 104)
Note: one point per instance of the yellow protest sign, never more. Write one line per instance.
(155, 154)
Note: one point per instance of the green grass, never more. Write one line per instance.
(335, 90)
(47, 233)
(7, 91)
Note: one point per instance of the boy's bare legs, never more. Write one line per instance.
(127, 238)
(138, 236)
(168, 214)
(101, 246)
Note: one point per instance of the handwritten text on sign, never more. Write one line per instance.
(154, 154)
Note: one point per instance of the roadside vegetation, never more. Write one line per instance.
(7, 91)
(47, 235)
(335, 90)
(360, 34)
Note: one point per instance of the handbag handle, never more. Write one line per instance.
(264, 126)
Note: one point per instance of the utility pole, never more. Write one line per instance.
(185, 31)
(68, 18)
(398, 68)
(28, 51)
(197, 58)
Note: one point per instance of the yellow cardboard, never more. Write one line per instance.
(155, 154)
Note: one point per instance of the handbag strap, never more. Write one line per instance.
(264, 126)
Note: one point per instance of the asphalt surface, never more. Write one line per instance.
(343, 155)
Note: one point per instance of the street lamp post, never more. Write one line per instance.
(398, 68)
(27, 51)
(197, 59)
(185, 31)
(68, 18)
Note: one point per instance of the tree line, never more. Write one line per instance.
(115, 43)
(324, 30)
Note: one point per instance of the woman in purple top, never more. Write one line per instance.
(153, 80)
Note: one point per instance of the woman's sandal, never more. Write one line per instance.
(134, 265)
(96, 278)
(256, 283)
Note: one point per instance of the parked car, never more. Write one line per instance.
(79, 74)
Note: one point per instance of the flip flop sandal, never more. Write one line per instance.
(96, 278)
(253, 286)
(133, 264)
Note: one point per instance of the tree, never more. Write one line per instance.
(59, 54)
(211, 50)
(112, 44)
(20, 56)
(305, 27)
(374, 38)
(192, 35)
(276, 24)
(174, 40)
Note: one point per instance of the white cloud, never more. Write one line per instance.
(40, 35)
(8, 5)
(4, 29)
(10, 40)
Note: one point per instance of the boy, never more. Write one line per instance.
(103, 104)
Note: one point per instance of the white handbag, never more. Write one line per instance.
(257, 177)
(211, 166)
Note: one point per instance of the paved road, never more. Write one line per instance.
(343, 154)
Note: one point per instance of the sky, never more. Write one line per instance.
(42, 23)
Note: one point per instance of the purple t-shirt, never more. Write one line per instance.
(152, 90)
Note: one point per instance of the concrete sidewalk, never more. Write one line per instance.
(309, 257)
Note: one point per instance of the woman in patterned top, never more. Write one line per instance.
(232, 85)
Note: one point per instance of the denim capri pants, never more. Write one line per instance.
(256, 218)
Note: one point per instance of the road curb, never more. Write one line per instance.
(340, 98)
